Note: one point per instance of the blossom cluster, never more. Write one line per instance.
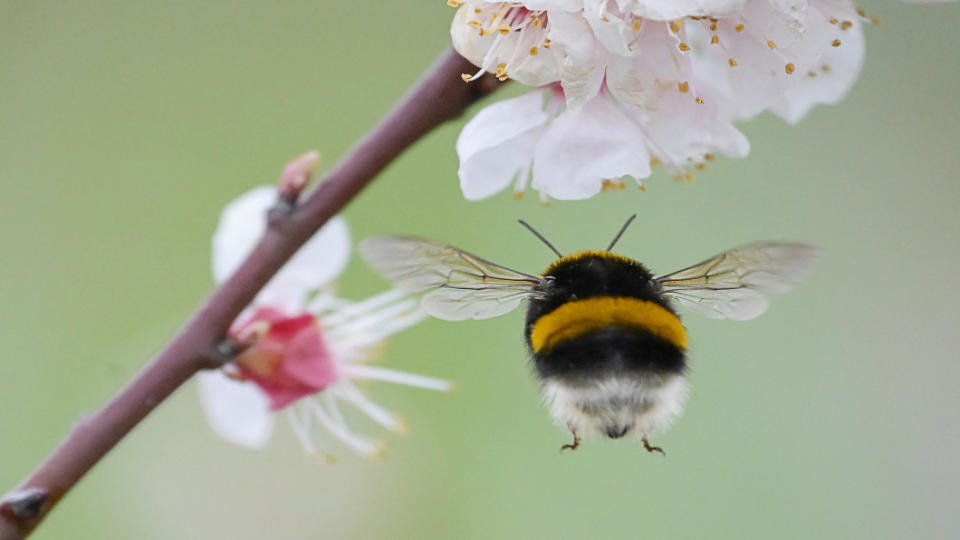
(306, 347)
(627, 84)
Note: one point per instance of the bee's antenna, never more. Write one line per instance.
(540, 236)
(622, 230)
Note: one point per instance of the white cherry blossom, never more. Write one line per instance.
(641, 81)
(565, 153)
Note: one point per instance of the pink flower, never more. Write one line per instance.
(308, 347)
(288, 359)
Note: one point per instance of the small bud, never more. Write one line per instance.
(296, 175)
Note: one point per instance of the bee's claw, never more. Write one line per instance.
(574, 445)
(650, 448)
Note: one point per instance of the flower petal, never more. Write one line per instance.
(243, 222)
(583, 147)
(236, 411)
(829, 80)
(583, 58)
(498, 142)
(668, 10)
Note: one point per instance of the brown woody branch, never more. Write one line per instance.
(439, 96)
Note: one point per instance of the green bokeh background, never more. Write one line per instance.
(126, 126)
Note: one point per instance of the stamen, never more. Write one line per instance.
(358, 371)
(376, 413)
(359, 308)
(342, 432)
(301, 428)
(370, 321)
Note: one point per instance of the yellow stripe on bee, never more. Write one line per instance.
(580, 255)
(580, 317)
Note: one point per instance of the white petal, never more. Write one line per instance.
(583, 61)
(242, 223)
(583, 147)
(667, 10)
(320, 261)
(236, 411)
(820, 86)
(643, 79)
(317, 263)
(561, 5)
(498, 143)
(681, 130)
(613, 32)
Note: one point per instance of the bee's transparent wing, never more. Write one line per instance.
(462, 286)
(735, 283)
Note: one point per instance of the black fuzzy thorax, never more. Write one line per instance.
(609, 351)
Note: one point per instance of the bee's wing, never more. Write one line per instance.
(462, 286)
(735, 283)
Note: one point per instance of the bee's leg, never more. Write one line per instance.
(650, 448)
(575, 444)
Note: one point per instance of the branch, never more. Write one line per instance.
(440, 95)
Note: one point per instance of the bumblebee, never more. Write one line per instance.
(607, 344)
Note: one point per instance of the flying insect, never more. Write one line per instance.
(606, 342)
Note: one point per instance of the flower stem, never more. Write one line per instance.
(439, 96)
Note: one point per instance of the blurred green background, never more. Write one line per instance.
(125, 127)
